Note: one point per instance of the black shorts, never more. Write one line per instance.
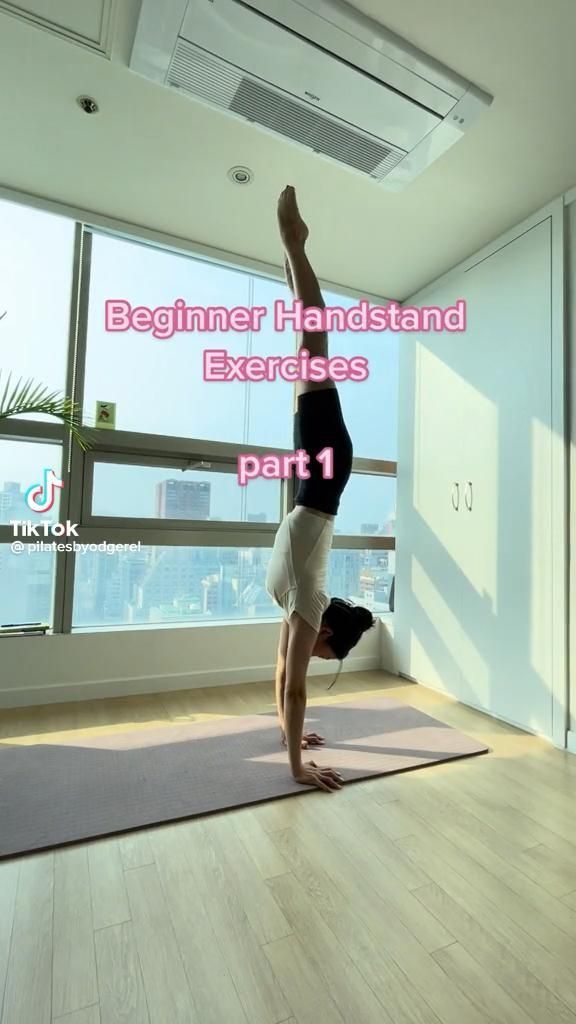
(319, 424)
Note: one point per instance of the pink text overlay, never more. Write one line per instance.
(166, 321)
(220, 366)
(279, 467)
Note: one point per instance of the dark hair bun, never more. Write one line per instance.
(363, 617)
(347, 622)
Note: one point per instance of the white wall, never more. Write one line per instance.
(571, 354)
(388, 659)
(480, 601)
(84, 666)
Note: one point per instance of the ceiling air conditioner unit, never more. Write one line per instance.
(316, 72)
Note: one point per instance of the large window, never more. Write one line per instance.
(164, 480)
(368, 506)
(26, 586)
(36, 274)
(161, 585)
(174, 585)
(36, 265)
(27, 576)
(370, 408)
(363, 576)
(157, 384)
(208, 495)
(22, 465)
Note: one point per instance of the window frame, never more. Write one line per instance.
(220, 463)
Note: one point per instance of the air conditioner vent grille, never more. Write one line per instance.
(307, 126)
(203, 76)
(224, 86)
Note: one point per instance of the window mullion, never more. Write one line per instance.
(73, 457)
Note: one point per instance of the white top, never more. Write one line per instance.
(296, 574)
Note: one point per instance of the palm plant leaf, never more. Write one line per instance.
(28, 396)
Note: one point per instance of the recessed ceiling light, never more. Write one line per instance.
(88, 104)
(241, 175)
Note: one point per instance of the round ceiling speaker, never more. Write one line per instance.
(241, 175)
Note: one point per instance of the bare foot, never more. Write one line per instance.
(293, 230)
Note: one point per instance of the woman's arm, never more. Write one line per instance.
(281, 675)
(309, 739)
(301, 640)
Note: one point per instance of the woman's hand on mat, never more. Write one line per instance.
(309, 739)
(312, 739)
(323, 778)
(293, 230)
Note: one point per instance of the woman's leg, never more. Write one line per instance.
(302, 280)
(318, 423)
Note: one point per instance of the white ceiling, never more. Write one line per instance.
(154, 158)
(88, 23)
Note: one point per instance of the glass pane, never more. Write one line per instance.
(270, 403)
(26, 586)
(368, 506)
(36, 262)
(171, 585)
(158, 385)
(127, 367)
(370, 407)
(179, 585)
(22, 464)
(154, 492)
(364, 577)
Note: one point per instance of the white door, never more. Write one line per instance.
(428, 631)
(474, 589)
(506, 597)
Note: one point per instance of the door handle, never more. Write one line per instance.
(469, 496)
(456, 495)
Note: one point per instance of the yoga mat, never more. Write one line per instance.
(81, 787)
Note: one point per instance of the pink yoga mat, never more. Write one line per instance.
(77, 789)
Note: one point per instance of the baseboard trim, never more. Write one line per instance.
(32, 696)
(571, 741)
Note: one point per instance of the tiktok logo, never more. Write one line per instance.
(41, 497)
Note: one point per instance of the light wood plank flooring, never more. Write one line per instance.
(443, 896)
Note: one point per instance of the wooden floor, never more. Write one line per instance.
(443, 896)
